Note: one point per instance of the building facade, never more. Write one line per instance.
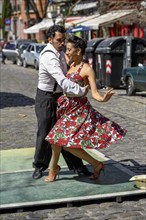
(24, 16)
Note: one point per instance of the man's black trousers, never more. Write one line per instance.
(45, 108)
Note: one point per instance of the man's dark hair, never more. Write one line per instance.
(55, 28)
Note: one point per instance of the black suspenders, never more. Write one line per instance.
(55, 85)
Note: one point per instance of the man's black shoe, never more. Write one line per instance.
(83, 171)
(38, 173)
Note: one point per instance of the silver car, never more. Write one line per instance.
(30, 56)
(12, 47)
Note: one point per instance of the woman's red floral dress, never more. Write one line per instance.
(79, 125)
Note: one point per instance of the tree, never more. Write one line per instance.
(6, 13)
(43, 7)
(42, 13)
(110, 5)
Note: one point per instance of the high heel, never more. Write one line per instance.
(97, 171)
(53, 174)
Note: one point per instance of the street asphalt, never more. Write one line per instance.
(18, 130)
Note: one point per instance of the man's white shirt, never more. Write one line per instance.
(52, 67)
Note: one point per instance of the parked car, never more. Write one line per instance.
(135, 79)
(20, 50)
(30, 56)
(11, 48)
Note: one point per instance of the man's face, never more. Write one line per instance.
(58, 41)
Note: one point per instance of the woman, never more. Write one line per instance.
(79, 125)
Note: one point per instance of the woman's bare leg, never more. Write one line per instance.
(54, 167)
(97, 165)
(56, 150)
(82, 154)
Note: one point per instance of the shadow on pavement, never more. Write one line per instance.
(134, 166)
(14, 100)
(140, 94)
(111, 176)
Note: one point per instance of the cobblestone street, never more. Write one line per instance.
(18, 130)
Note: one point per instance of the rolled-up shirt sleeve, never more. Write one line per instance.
(52, 64)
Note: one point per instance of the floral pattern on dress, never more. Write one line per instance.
(79, 125)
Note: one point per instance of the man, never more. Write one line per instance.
(52, 81)
(3, 55)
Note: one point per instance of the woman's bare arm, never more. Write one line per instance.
(88, 72)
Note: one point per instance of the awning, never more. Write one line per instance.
(80, 7)
(79, 28)
(111, 17)
(80, 20)
(69, 21)
(43, 25)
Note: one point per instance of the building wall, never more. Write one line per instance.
(20, 20)
(1, 3)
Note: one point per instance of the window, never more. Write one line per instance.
(10, 46)
(29, 48)
(32, 48)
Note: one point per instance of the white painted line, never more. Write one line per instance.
(73, 199)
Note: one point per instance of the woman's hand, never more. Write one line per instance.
(108, 95)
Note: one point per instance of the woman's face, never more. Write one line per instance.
(71, 52)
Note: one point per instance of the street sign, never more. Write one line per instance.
(7, 21)
(7, 28)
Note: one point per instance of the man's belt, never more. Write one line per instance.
(52, 94)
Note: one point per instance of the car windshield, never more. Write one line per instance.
(39, 48)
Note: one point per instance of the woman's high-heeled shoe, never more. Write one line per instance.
(53, 174)
(97, 171)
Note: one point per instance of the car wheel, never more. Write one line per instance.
(19, 62)
(14, 61)
(24, 63)
(130, 89)
(36, 66)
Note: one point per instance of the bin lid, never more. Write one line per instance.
(138, 45)
(112, 44)
(92, 44)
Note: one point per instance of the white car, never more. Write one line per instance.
(11, 49)
(30, 56)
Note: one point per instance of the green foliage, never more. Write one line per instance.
(6, 13)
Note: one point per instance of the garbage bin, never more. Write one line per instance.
(138, 51)
(109, 55)
(89, 52)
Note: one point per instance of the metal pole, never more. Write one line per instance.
(54, 20)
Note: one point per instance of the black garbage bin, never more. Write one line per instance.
(89, 52)
(109, 61)
(138, 52)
